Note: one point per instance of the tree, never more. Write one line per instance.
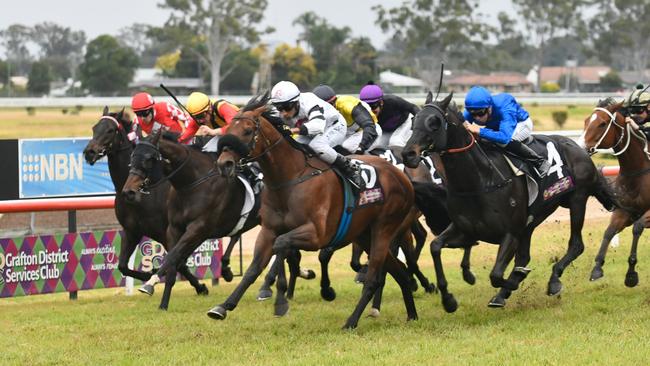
(242, 65)
(39, 79)
(219, 24)
(294, 64)
(61, 47)
(326, 42)
(545, 19)
(611, 82)
(436, 30)
(15, 40)
(620, 34)
(108, 67)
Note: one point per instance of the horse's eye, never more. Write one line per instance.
(248, 131)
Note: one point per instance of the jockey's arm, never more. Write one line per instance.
(363, 118)
(190, 131)
(506, 128)
(316, 122)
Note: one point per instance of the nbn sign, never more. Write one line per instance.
(56, 167)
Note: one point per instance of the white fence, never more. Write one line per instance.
(573, 98)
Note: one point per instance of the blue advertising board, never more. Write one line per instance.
(56, 167)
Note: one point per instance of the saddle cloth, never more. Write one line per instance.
(247, 207)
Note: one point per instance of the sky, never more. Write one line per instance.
(97, 17)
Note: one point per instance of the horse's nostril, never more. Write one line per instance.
(130, 195)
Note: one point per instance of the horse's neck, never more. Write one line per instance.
(118, 164)
(282, 162)
(468, 170)
(634, 157)
(178, 155)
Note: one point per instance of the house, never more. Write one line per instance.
(511, 82)
(151, 78)
(586, 77)
(398, 83)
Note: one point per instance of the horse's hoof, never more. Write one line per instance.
(202, 290)
(281, 309)
(360, 277)
(631, 279)
(226, 274)
(264, 294)
(469, 277)
(307, 274)
(414, 285)
(554, 288)
(373, 313)
(596, 274)
(146, 289)
(497, 302)
(349, 325)
(217, 313)
(328, 294)
(163, 307)
(430, 288)
(449, 303)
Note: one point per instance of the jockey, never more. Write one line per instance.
(363, 130)
(317, 124)
(151, 116)
(210, 118)
(503, 122)
(637, 107)
(394, 115)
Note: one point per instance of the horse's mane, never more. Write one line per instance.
(604, 103)
(257, 101)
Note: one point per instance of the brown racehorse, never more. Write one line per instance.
(607, 128)
(302, 204)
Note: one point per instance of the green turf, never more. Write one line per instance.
(598, 323)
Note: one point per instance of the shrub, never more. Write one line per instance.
(550, 87)
(78, 107)
(560, 117)
(30, 111)
(64, 110)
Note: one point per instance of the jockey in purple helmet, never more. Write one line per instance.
(394, 115)
(500, 119)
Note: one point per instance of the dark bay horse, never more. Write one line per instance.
(302, 204)
(147, 217)
(201, 204)
(607, 128)
(487, 202)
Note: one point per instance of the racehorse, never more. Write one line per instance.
(201, 204)
(147, 217)
(302, 204)
(488, 202)
(607, 128)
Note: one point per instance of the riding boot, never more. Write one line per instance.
(526, 153)
(351, 170)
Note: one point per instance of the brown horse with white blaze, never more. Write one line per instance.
(303, 202)
(607, 128)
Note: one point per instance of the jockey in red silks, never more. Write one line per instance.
(151, 116)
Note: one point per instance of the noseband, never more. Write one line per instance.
(146, 185)
(630, 132)
(253, 142)
(119, 129)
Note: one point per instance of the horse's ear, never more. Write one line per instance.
(120, 115)
(429, 99)
(445, 102)
(105, 112)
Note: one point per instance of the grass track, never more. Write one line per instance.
(590, 323)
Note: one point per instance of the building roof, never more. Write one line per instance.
(395, 79)
(585, 74)
(151, 77)
(493, 78)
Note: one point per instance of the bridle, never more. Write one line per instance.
(253, 142)
(146, 185)
(630, 132)
(443, 115)
(120, 130)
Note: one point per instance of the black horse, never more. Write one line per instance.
(147, 217)
(201, 204)
(488, 202)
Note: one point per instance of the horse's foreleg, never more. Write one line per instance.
(201, 289)
(355, 260)
(468, 276)
(281, 305)
(129, 244)
(261, 257)
(519, 272)
(226, 271)
(293, 261)
(326, 290)
(632, 277)
(406, 245)
(448, 301)
(617, 222)
(504, 255)
(420, 235)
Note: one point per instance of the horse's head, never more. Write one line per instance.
(429, 130)
(109, 132)
(604, 127)
(247, 136)
(146, 168)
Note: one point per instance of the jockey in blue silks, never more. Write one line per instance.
(500, 119)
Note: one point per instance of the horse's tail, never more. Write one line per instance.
(604, 193)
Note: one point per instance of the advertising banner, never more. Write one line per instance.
(56, 167)
(80, 261)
